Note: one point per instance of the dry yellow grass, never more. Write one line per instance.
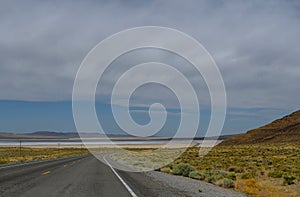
(258, 169)
(13, 154)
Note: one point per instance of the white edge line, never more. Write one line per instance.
(122, 181)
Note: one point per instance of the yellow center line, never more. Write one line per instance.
(47, 172)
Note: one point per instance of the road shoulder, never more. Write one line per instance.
(178, 184)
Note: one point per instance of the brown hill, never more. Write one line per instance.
(286, 129)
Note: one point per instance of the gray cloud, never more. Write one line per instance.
(255, 44)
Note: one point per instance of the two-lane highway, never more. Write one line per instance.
(77, 176)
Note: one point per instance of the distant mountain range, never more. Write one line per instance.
(68, 135)
(38, 135)
(49, 135)
(286, 129)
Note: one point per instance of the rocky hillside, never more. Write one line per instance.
(286, 129)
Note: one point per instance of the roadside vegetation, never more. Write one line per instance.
(14, 154)
(260, 169)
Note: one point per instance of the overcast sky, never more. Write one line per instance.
(256, 45)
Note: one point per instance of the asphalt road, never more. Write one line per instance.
(77, 176)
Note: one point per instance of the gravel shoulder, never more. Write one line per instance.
(191, 187)
(181, 186)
